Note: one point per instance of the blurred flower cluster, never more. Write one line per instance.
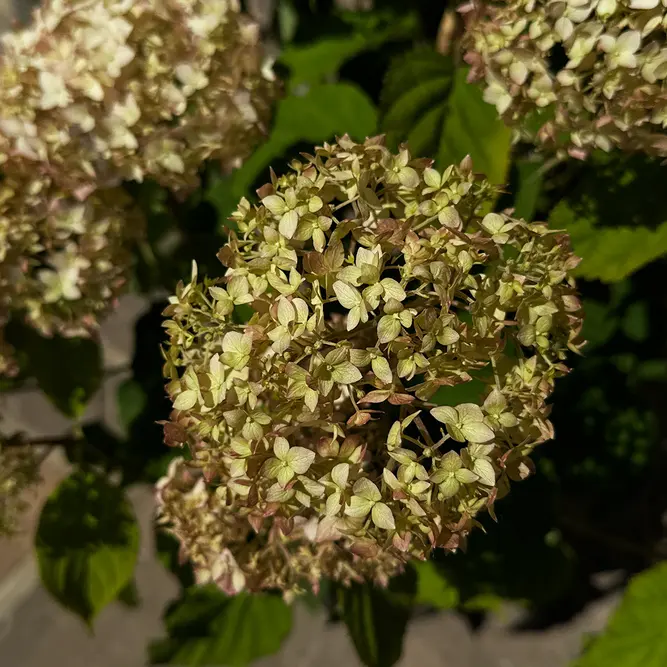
(18, 471)
(94, 93)
(97, 92)
(574, 75)
(63, 261)
(319, 435)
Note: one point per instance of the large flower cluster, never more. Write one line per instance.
(97, 92)
(575, 74)
(111, 90)
(325, 437)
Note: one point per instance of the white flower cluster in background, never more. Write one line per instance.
(97, 92)
(574, 74)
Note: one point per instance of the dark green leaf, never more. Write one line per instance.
(636, 635)
(168, 553)
(414, 100)
(129, 596)
(205, 627)
(472, 127)
(530, 177)
(466, 392)
(67, 370)
(317, 61)
(376, 620)
(600, 323)
(131, 402)
(87, 544)
(321, 114)
(636, 325)
(313, 63)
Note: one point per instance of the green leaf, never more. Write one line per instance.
(87, 544)
(205, 627)
(131, 402)
(321, 114)
(376, 619)
(167, 549)
(472, 127)
(288, 20)
(600, 323)
(129, 595)
(610, 254)
(314, 62)
(615, 215)
(530, 178)
(466, 392)
(636, 322)
(67, 370)
(635, 636)
(414, 100)
(433, 588)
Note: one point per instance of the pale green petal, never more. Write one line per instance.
(382, 517)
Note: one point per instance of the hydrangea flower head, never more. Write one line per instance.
(320, 438)
(574, 75)
(111, 90)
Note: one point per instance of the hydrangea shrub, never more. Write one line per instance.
(574, 75)
(317, 444)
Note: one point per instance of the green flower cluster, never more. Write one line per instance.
(574, 75)
(317, 445)
(95, 93)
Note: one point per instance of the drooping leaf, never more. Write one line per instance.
(616, 216)
(87, 544)
(635, 636)
(67, 370)
(205, 627)
(433, 588)
(324, 112)
(472, 127)
(414, 100)
(376, 619)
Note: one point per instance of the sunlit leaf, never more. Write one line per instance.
(635, 636)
